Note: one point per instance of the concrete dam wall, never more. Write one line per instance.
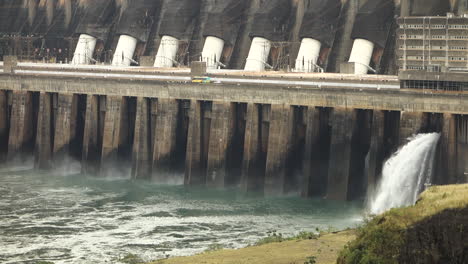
(327, 142)
(325, 135)
(304, 35)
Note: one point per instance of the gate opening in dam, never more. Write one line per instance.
(273, 149)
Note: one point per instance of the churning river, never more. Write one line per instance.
(76, 219)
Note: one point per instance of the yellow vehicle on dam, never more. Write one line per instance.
(201, 79)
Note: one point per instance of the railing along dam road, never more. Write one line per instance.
(275, 133)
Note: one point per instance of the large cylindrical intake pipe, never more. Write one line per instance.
(317, 31)
(123, 55)
(84, 49)
(371, 29)
(167, 52)
(175, 28)
(212, 51)
(95, 23)
(269, 25)
(221, 28)
(308, 55)
(258, 54)
(361, 55)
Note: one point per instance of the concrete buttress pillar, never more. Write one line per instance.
(316, 152)
(253, 165)
(251, 147)
(165, 137)
(220, 140)
(342, 121)
(462, 148)
(45, 128)
(410, 124)
(91, 153)
(4, 124)
(197, 147)
(279, 139)
(65, 125)
(21, 123)
(447, 172)
(141, 157)
(376, 151)
(111, 135)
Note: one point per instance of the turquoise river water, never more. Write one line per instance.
(75, 219)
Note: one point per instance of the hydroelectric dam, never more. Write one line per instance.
(273, 97)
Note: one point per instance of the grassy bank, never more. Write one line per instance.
(323, 249)
(428, 232)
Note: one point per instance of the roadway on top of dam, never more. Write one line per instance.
(377, 92)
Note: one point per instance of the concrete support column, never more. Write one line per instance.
(309, 170)
(165, 137)
(220, 140)
(65, 124)
(462, 148)
(376, 151)
(141, 157)
(343, 121)
(410, 124)
(44, 140)
(92, 137)
(194, 167)
(111, 134)
(279, 140)
(252, 167)
(4, 124)
(21, 123)
(447, 172)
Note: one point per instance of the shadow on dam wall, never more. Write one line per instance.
(336, 153)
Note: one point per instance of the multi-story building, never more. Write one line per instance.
(432, 52)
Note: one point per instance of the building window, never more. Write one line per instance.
(458, 47)
(458, 26)
(458, 37)
(415, 57)
(457, 58)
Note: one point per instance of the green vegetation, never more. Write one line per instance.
(214, 247)
(311, 260)
(382, 237)
(273, 237)
(131, 259)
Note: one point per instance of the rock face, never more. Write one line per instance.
(442, 238)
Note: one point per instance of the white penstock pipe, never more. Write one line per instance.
(167, 52)
(361, 55)
(123, 55)
(84, 50)
(309, 53)
(258, 54)
(212, 51)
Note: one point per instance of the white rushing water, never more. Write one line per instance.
(405, 174)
